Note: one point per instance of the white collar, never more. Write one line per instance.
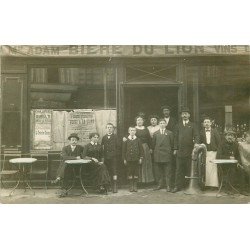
(167, 118)
(92, 143)
(73, 146)
(142, 127)
(185, 122)
(109, 134)
(156, 126)
(130, 138)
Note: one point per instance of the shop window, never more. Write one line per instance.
(38, 75)
(12, 111)
(90, 77)
(69, 76)
(53, 75)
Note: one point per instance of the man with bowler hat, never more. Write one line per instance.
(185, 136)
(70, 152)
(170, 121)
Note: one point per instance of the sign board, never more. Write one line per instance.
(123, 50)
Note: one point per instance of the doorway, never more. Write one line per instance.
(148, 99)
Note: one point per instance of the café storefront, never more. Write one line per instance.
(49, 91)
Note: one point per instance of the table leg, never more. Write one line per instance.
(222, 179)
(74, 180)
(82, 184)
(14, 188)
(26, 181)
(229, 181)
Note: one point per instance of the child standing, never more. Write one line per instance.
(110, 145)
(132, 153)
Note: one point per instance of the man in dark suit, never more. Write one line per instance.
(170, 125)
(110, 146)
(70, 152)
(211, 138)
(170, 121)
(163, 144)
(186, 134)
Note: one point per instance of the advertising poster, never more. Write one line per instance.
(82, 122)
(42, 129)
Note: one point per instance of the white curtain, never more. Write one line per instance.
(102, 118)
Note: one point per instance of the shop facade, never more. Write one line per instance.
(115, 83)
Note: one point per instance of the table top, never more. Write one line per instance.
(81, 161)
(22, 160)
(224, 161)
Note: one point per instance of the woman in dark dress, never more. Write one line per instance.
(146, 170)
(98, 172)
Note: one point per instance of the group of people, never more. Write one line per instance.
(160, 153)
(102, 169)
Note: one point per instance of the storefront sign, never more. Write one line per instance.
(81, 122)
(42, 129)
(123, 50)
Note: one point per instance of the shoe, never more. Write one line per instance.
(175, 190)
(103, 190)
(168, 189)
(62, 194)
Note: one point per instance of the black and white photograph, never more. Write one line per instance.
(124, 124)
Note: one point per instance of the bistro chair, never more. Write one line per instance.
(9, 173)
(41, 166)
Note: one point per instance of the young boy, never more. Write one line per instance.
(110, 145)
(163, 145)
(132, 153)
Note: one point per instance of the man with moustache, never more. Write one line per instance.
(170, 121)
(185, 138)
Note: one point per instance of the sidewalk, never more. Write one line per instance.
(143, 196)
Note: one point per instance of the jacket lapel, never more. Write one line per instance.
(162, 137)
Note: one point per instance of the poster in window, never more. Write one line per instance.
(42, 129)
(82, 122)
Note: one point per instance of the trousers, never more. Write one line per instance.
(183, 168)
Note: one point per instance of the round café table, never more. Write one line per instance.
(225, 167)
(80, 164)
(24, 165)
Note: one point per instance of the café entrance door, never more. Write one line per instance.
(148, 99)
